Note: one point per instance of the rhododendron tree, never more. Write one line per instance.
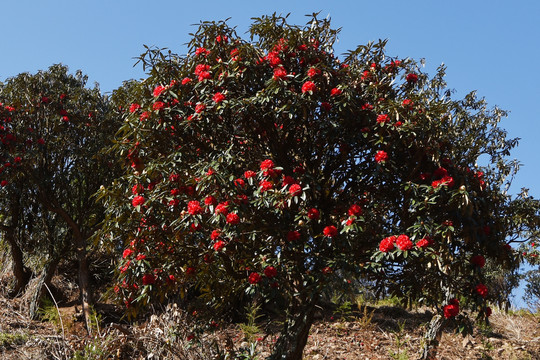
(274, 167)
(52, 128)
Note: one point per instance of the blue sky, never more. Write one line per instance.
(488, 46)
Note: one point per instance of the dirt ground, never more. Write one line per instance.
(375, 333)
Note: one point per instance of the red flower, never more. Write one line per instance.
(158, 105)
(222, 208)
(407, 103)
(201, 51)
(137, 200)
(383, 118)
(312, 72)
(219, 245)
(265, 185)
(481, 290)
(158, 90)
(293, 236)
(270, 272)
(381, 156)
(452, 309)
(327, 270)
(186, 80)
(478, 260)
(240, 183)
(254, 278)
(144, 116)
(313, 214)
(3, 183)
(194, 207)
(330, 231)
(218, 97)
(354, 210)
(387, 244)
(423, 243)
(200, 108)
(233, 218)
(127, 253)
(148, 279)
(404, 243)
(267, 165)
(249, 174)
(308, 86)
(288, 180)
(412, 78)
(134, 107)
(280, 73)
(215, 234)
(295, 190)
(335, 92)
(210, 200)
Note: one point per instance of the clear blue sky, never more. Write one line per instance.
(489, 46)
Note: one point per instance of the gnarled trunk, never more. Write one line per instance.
(432, 338)
(293, 339)
(21, 273)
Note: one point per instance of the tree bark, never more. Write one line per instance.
(293, 339)
(21, 273)
(432, 338)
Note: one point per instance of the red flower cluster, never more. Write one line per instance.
(158, 90)
(335, 92)
(293, 235)
(478, 260)
(218, 97)
(308, 86)
(481, 290)
(202, 71)
(194, 208)
(280, 73)
(383, 118)
(423, 243)
(233, 218)
(452, 309)
(148, 279)
(254, 278)
(387, 244)
(354, 210)
(412, 78)
(404, 243)
(295, 190)
(265, 185)
(381, 156)
(270, 272)
(313, 214)
(267, 165)
(312, 72)
(219, 245)
(137, 200)
(330, 231)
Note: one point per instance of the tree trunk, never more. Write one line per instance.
(84, 282)
(21, 273)
(432, 338)
(44, 278)
(293, 339)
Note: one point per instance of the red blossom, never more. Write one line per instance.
(308, 86)
(387, 244)
(330, 231)
(265, 185)
(293, 236)
(134, 107)
(254, 278)
(295, 190)
(481, 290)
(249, 174)
(354, 210)
(280, 73)
(270, 272)
(381, 156)
(218, 97)
(158, 105)
(219, 245)
(233, 218)
(312, 72)
(478, 260)
(383, 118)
(452, 309)
(148, 279)
(158, 90)
(313, 214)
(194, 208)
(423, 243)
(137, 200)
(267, 165)
(215, 234)
(404, 243)
(412, 78)
(335, 92)
(222, 208)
